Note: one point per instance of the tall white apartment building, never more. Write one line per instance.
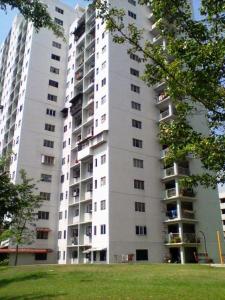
(121, 202)
(92, 140)
(32, 88)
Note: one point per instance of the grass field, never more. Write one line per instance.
(169, 282)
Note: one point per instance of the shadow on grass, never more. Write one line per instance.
(34, 297)
(36, 276)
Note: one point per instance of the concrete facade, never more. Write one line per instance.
(112, 199)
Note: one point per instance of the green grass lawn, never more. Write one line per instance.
(112, 282)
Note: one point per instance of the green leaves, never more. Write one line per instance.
(36, 12)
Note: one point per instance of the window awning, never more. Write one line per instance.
(25, 250)
(45, 229)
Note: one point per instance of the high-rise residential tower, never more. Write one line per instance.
(32, 88)
(87, 126)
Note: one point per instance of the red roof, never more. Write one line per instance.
(24, 250)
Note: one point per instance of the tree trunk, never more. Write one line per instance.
(16, 257)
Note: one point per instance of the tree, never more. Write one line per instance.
(8, 196)
(192, 66)
(22, 227)
(36, 12)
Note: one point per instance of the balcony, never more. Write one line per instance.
(157, 40)
(87, 218)
(175, 171)
(88, 195)
(73, 241)
(171, 193)
(173, 238)
(74, 180)
(84, 150)
(74, 220)
(154, 28)
(185, 238)
(187, 214)
(172, 214)
(74, 200)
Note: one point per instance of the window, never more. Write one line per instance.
(47, 160)
(96, 184)
(45, 196)
(132, 15)
(95, 230)
(59, 235)
(58, 21)
(103, 118)
(103, 205)
(141, 230)
(40, 256)
(103, 181)
(132, 2)
(56, 45)
(140, 206)
(53, 83)
(52, 97)
(61, 196)
(103, 159)
(59, 10)
(134, 88)
(136, 124)
(103, 65)
(103, 49)
(103, 35)
(64, 234)
(103, 81)
(95, 206)
(46, 178)
(43, 215)
(49, 127)
(134, 72)
(42, 235)
(137, 143)
(60, 215)
(103, 229)
(54, 70)
(135, 105)
(50, 112)
(135, 57)
(141, 254)
(138, 163)
(49, 144)
(139, 184)
(55, 57)
(103, 100)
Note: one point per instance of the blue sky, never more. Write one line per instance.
(6, 19)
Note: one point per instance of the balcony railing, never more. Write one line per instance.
(187, 238)
(164, 114)
(183, 171)
(187, 214)
(173, 238)
(88, 195)
(171, 193)
(74, 200)
(190, 238)
(169, 172)
(74, 241)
